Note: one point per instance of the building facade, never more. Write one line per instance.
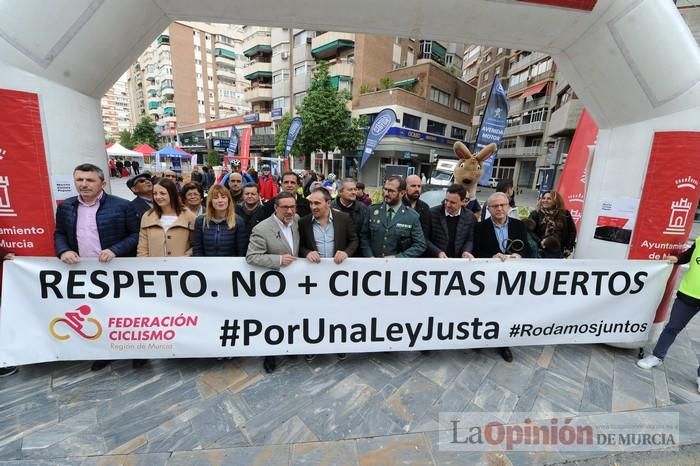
(115, 109)
(192, 73)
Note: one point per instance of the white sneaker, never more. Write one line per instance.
(649, 362)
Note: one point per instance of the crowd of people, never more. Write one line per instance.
(273, 223)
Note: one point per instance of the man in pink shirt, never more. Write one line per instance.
(94, 224)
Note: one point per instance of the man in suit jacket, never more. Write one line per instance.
(392, 229)
(451, 231)
(274, 242)
(326, 232)
(502, 237)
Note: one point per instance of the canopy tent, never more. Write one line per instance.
(183, 151)
(172, 152)
(117, 150)
(145, 149)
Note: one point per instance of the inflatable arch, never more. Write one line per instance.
(634, 63)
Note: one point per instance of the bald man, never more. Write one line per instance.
(414, 188)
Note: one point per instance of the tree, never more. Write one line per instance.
(213, 158)
(126, 139)
(145, 133)
(327, 123)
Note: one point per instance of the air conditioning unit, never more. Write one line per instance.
(285, 55)
(308, 40)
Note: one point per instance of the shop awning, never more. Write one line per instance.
(532, 90)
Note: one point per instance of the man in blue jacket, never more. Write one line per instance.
(94, 224)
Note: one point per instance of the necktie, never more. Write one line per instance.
(390, 214)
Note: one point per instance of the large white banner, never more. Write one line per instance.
(210, 307)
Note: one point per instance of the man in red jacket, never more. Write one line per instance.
(267, 184)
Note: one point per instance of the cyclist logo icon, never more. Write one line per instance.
(76, 320)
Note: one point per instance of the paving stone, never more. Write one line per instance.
(409, 449)
(11, 450)
(412, 400)
(495, 399)
(273, 455)
(152, 459)
(515, 377)
(340, 453)
(445, 457)
(632, 387)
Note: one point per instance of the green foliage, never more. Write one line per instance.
(145, 133)
(386, 83)
(126, 139)
(213, 158)
(327, 123)
(365, 89)
(281, 136)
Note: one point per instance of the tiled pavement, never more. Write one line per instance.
(378, 409)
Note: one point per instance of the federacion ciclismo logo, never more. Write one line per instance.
(86, 327)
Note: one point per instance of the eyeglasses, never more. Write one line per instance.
(141, 180)
(287, 206)
(174, 177)
(497, 206)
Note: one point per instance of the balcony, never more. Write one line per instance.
(341, 69)
(163, 39)
(563, 122)
(537, 127)
(224, 53)
(258, 69)
(226, 73)
(153, 99)
(513, 89)
(167, 91)
(526, 61)
(533, 151)
(518, 105)
(153, 104)
(329, 44)
(169, 119)
(150, 74)
(471, 74)
(257, 44)
(258, 93)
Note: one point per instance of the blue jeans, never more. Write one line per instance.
(681, 314)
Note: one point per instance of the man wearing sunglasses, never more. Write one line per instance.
(501, 237)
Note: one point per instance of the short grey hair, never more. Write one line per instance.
(495, 195)
(345, 181)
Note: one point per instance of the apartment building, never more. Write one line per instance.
(192, 73)
(434, 107)
(470, 65)
(491, 61)
(523, 150)
(115, 109)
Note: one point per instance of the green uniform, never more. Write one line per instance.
(401, 237)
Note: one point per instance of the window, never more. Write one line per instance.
(461, 106)
(436, 128)
(280, 102)
(436, 95)
(485, 77)
(300, 39)
(448, 59)
(483, 96)
(500, 50)
(498, 70)
(300, 70)
(410, 121)
(299, 98)
(459, 133)
(280, 76)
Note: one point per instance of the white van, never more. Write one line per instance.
(444, 173)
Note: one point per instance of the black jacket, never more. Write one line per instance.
(439, 235)
(568, 235)
(218, 240)
(485, 241)
(303, 209)
(358, 212)
(140, 207)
